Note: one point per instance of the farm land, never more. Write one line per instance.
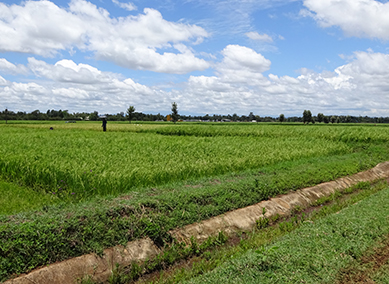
(75, 190)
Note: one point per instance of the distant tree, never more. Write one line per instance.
(320, 117)
(6, 115)
(338, 119)
(326, 119)
(257, 118)
(333, 119)
(235, 117)
(130, 113)
(94, 116)
(174, 112)
(251, 116)
(282, 118)
(307, 116)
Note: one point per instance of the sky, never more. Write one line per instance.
(210, 57)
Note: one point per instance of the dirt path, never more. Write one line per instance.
(241, 220)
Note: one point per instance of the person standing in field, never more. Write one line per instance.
(104, 125)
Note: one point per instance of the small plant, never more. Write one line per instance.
(263, 254)
(275, 218)
(262, 223)
(86, 280)
(118, 276)
(286, 226)
(135, 271)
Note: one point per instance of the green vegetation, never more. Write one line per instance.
(218, 251)
(315, 252)
(91, 163)
(14, 198)
(150, 178)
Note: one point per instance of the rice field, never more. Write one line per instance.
(83, 161)
(75, 161)
(71, 183)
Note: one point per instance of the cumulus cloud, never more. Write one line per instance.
(78, 87)
(259, 37)
(145, 41)
(240, 57)
(68, 71)
(10, 68)
(238, 85)
(3, 82)
(360, 18)
(343, 91)
(127, 6)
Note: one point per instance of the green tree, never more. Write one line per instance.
(257, 118)
(281, 118)
(320, 117)
(333, 119)
(130, 113)
(251, 116)
(307, 116)
(94, 116)
(6, 115)
(174, 112)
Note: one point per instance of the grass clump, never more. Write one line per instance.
(315, 252)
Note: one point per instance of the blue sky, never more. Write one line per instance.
(217, 57)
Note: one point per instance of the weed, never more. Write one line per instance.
(262, 222)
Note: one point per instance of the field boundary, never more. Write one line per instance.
(240, 220)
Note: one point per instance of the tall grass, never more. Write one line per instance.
(86, 162)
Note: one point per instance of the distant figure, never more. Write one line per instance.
(51, 128)
(104, 124)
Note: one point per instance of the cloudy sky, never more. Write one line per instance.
(217, 57)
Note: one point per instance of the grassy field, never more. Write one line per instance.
(314, 253)
(159, 176)
(77, 161)
(373, 265)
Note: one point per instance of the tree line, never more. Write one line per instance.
(131, 115)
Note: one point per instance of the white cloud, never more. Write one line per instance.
(238, 57)
(359, 87)
(360, 18)
(3, 82)
(10, 68)
(259, 37)
(38, 27)
(78, 87)
(127, 6)
(68, 71)
(145, 41)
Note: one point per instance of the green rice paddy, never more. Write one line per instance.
(183, 173)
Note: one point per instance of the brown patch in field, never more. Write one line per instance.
(126, 197)
(367, 265)
(185, 264)
(170, 271)
(193, 186)
(215, 181)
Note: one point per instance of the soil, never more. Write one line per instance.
(367, 265)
